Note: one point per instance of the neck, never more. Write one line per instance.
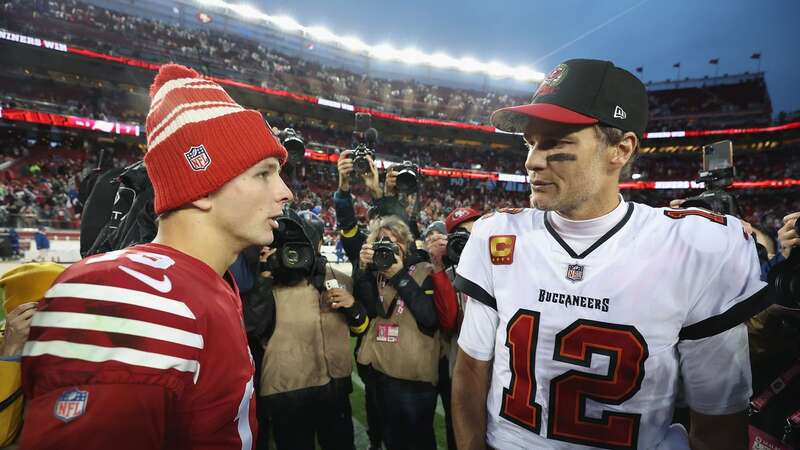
(213, 248)
(595, 207)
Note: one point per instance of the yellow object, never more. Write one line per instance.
(11, 415)
(361, 328)
(351, 232)
(28, 283)
(23, 284)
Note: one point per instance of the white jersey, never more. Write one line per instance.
(588, 347)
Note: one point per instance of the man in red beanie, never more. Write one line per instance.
(144, 348)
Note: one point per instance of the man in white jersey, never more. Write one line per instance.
(586, 311)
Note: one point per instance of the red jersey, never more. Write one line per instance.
(139, 348)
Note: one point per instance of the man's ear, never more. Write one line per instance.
(624, 150)
(203, 203)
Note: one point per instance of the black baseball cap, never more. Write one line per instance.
(582, 92)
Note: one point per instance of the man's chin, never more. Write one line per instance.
(268, 238)
(540, 203)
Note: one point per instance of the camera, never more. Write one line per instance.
(293, 141)
(717, 174)
(406, 177)
(360, 161)
(455, 245)
(785, 277)
(385, 255)
(365, 138)
(294, 251)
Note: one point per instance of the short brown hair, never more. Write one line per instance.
(612, 136)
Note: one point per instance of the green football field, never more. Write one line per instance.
(357, 402)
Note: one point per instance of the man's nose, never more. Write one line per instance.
(286, 195)
(536, 161)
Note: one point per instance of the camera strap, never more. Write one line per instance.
(382, 284)
(784, 380)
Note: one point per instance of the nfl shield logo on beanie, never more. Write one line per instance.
(198, 158)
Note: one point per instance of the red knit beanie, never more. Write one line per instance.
(198, 138)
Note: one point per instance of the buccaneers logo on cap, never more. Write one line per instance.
(501, 249)
(198, 158)
(551, 82)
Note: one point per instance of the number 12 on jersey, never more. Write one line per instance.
(627, 352)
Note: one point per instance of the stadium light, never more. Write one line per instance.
(384, 52)
(286, 23)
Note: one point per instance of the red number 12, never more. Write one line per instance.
(627, 352)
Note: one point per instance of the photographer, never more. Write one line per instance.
(401, 345)
(444, 242)
(775, 348)
(306, 367)
(352, 237)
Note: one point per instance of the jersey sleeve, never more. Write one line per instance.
(716, 372)
(732, 291)
(116, 322)
(478, 330)
(474, 272)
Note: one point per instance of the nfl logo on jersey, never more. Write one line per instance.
(575, 272)
(198, 158)
(71, 405)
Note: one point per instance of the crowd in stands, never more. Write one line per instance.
(41, 182)
(713, 105)
(71, 94)
(252, 60)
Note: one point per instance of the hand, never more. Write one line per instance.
(437, 248)
(18, 325)
(747, 227)
(395, 268)
(676, 203)
(372, 180)
(266, 252)
(391, 183)
(345, 167)
(365, 257)
(787, 236)
(339, 298)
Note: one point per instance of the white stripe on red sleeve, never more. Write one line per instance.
(95, 322)
(96, 353)
(120, 295)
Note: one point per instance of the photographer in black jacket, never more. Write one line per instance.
(306, 364)
(401, 345)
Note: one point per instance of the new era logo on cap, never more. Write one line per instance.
(619, 113)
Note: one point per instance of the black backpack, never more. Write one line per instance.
(128, 220)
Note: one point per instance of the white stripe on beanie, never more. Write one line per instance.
(181, 108)
(191, 116)
(178, 83)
